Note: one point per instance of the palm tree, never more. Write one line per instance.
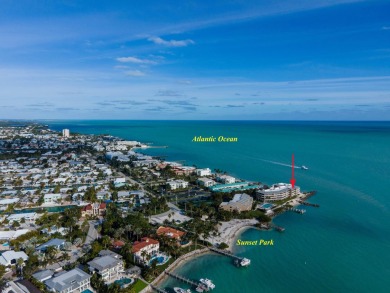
(128, 228)
(65, 256)
(20, 264)
(105, 241)
(138, 231)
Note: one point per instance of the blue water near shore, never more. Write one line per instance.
(343, 246)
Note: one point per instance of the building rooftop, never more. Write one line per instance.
(104, 262)
(138, 245)
(170, 232)
(66, 280)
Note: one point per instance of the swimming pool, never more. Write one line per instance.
(87, 291)
(5, 244)
(124, 281)
(160, 258)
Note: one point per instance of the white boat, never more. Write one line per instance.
(181, 290)
(304, 168)
(245, 262)
(208, 283)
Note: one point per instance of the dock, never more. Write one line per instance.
(158, 289)
(237, 259)
(199, 286)
(309, 204)
(298, 211)
(278, 228)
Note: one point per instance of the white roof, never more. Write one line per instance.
(8, 256)
(12, 234)
(9, 201)
(20, 216)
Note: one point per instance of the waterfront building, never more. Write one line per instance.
(51, 198)
(175, 184)
(239, 203)
(203, 172)
(108, 265)
(206, 182)
(8, 235)
(94, 209)
(229, 187)
(170, 232)
(226, 179)
(72, 281)
(28, 217)
(279, 191)
(10, 257)
(147, 246)
(65, 132)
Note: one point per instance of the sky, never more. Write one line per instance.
(195, 60)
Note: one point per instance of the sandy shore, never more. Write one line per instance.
(228, 231)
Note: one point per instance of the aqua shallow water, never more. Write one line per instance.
(340, 247)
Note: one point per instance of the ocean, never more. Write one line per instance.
(342, 246)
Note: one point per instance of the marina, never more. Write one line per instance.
(298, 211)
(309, 204)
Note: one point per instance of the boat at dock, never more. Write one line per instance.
(245, 262)
(181, 290)
(208, 283)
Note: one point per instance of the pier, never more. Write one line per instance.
(298, 211)
(278, 228)
(237, 259)
(309, 204)
(158, 289)
(199, 286)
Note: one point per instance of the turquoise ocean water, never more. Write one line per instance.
(343, 246)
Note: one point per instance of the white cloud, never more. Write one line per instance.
(135, 60)
(134, 73)
(171, 43)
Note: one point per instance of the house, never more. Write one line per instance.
(147, 246)
(73, 281)
(117, 244)
(28, 217)
(134, 271)
(239, 203)
(8, 235)
(206, 182)
(203, 172)
(57, 243)
(10, 257)
(51, 198)
(226, 179)
(170, 232)
(94, 209)
(108, 265)
(44, 275)
(175, 184)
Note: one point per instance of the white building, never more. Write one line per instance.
(73, 281)
(51, 198)
(203, 172)
(206, 182)
(226, 179)
(10, 257)
(278, 191)
(108, 265)
(147, 246)
(239, 203)
(175, 184)
(28, 217)
(8, 235)
(65, 132)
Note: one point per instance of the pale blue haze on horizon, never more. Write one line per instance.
(255, 60)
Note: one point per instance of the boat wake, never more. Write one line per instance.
(280, 164)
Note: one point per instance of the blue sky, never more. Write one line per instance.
(303, 60)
